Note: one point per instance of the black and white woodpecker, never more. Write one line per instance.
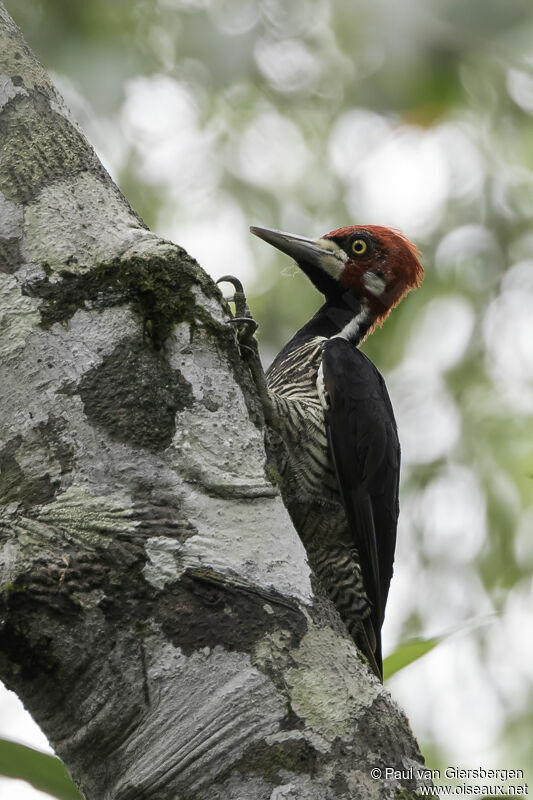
(330, 415)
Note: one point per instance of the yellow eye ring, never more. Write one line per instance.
(359, 247)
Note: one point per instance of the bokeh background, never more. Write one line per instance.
(212, 115)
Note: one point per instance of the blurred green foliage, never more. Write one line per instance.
(215, 114)
(45, 772)
(408, 653)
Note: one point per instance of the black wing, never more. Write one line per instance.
(364, 447)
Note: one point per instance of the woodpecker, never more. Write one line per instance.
(332, 422)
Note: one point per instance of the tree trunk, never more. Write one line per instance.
(157, 613)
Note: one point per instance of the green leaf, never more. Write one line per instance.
(43, 771)
(414, 649)
(408, 652)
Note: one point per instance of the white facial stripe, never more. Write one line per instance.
(374, 283)
(333, 259)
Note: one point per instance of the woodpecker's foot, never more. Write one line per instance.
(245, 328)
(238, 297)
(245, 325)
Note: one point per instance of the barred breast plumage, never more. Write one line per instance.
(293, 389)
(310, 488)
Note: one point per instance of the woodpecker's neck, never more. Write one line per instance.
(356, 328)
(342, 316)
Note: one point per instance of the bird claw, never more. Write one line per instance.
(243, 321)
(245, 327)
(239, 297)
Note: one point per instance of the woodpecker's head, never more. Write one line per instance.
(376, 264)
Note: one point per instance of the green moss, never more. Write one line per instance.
(158, 286)
(29, 124)
(273, 476)
(406, 794)
(269, 761)
(10, 588)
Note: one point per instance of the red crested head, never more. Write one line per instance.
(377, 265)
(381, 265)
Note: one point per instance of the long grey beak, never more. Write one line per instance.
(322, 253)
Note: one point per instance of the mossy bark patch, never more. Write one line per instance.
(339, 785)
(157, 284)
(15, 487)
(19, 657)
(61, 299)
(269, 760)
(43, 444)
(405, 794)
(200, 612)
(9, 254)
(28, 124)
(134, 395)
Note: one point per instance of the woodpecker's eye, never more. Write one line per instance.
(359, 247)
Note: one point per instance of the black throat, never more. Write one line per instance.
(344, 315)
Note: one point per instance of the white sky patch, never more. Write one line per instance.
(465, 163)
(452, 514)
(294, 19)
(271, 152)
(472, 253)
(456, 598)
(508, 333)
(512, 673)
(520, 88)
(287, 64)
(218, 238)
(519, 277)
(428, 419)
(161, 119)
(403, 182)
(448, 592)
(233, 17)
(185, 5)
(453, 602)
(512, 184)
(403, 177)
(427, 347)
(156, 107)
(354, 137)
(460, 707)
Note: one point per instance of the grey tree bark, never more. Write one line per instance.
(157, 614)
